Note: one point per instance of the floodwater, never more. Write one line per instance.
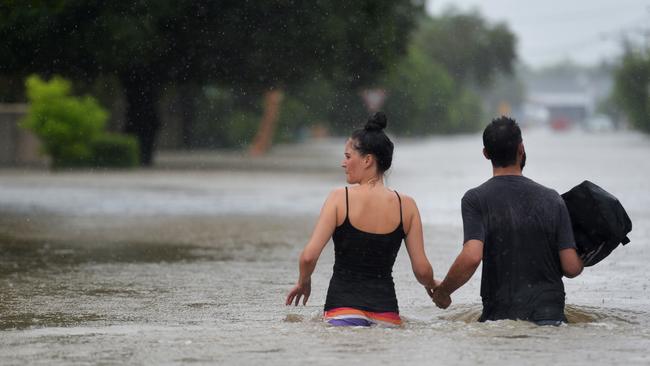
(192, 266)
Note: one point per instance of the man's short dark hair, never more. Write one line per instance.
(501, 139)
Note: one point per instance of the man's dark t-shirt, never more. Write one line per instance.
(523, 226)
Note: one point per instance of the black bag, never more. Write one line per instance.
(599, 221)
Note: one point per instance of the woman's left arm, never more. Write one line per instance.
(310, 254)
(415, 245)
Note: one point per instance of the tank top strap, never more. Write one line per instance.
(401, 221)
(347, 208)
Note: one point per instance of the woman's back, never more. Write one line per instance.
(372, 210)
(364, 256)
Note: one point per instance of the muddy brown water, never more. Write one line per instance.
(192, 266)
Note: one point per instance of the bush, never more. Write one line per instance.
(115, 151)
(71, 129)
(65, 125)
(293, 119)
(223, 120)
(240, 128)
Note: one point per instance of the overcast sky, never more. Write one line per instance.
(585, 31)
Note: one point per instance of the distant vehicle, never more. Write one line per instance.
(561, 124)
(599, 123)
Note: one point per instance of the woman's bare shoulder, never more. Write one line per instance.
(409, 207)
(336, 192)
(336, 195)
(406, 199)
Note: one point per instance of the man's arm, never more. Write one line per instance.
(571, 263)
(460, 272)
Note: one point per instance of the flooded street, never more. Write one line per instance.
(192, 266)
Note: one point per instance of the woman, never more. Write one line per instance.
(367, 223)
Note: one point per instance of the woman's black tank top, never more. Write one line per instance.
(363, 267)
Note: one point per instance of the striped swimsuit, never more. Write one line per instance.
(362, 291)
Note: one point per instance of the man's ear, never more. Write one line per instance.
(520, 149)
(485, 153)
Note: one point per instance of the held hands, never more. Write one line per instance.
(431, 287)
(438, 295)
(441, 298)
(298, 291)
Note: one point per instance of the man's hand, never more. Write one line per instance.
(460, 272)
(441, 298)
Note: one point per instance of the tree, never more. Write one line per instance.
(632, 88)
(350, 43)
(420, 94)
(471, 50)
(451, 58)
(253, 46)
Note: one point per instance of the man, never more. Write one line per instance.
(521, 231)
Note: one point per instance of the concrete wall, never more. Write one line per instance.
(17, 146)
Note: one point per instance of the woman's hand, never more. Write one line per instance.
(431, 287)
(298, 291)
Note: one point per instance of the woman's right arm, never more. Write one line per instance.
(310, 254)
(415, 246)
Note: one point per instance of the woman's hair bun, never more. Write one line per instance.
(376, 122)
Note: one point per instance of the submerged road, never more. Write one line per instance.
(189, 263)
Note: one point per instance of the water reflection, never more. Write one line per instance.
(55, 256)
(31, 320)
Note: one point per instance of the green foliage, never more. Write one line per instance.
(228, 120)
(423, 97)
(470, 49)
(115, 151)
(466, 114)
(240, 128)
(295, 116)
(252, 45)
(431, 89)
(321, 53)
(419, 94)
(71, 129)
(280, 43)
(632, 89)
(347, 112)
(66, 125)
(223, 119)
(304, 105)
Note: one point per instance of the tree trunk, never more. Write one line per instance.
(142, 120)
(188, 95)
(264, 136)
